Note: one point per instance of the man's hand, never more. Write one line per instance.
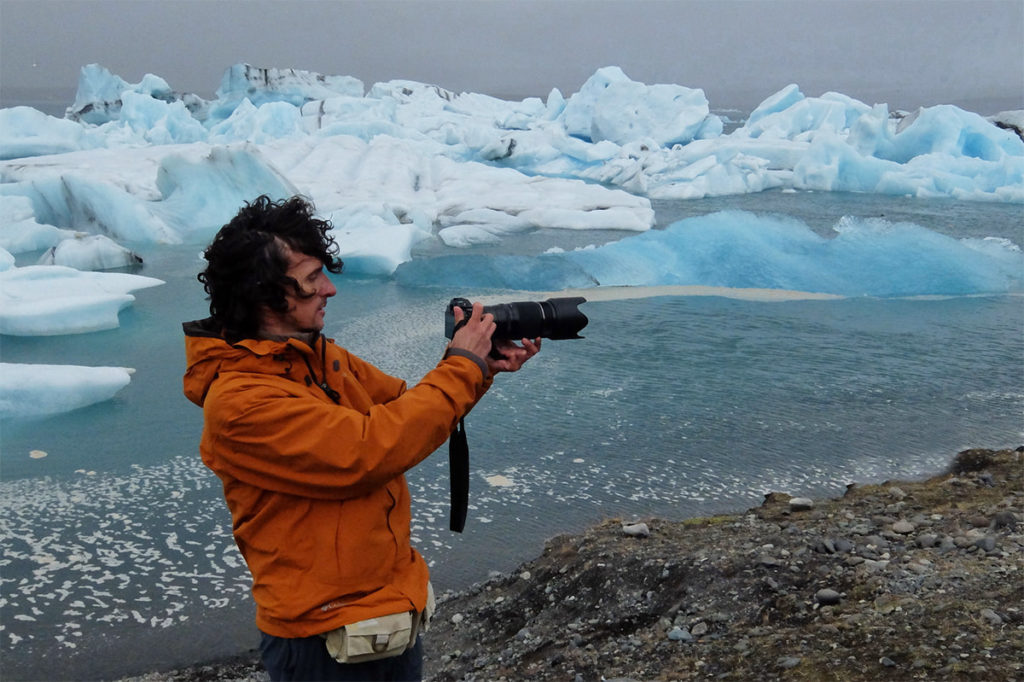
(513, 356)
(475, 337)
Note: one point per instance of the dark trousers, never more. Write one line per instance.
(305, 659)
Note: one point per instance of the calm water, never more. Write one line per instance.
(674, 406)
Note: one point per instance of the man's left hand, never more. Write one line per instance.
(512, 356)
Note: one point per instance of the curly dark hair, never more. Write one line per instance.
(246, 266)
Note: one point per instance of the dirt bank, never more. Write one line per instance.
(904, 580)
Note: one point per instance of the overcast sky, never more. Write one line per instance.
(903, 52)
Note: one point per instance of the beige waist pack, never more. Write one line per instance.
(381, 637)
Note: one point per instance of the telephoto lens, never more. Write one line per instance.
(555, 318)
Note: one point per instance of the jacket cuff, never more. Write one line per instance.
(471, 356)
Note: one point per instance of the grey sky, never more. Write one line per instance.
(903, 52)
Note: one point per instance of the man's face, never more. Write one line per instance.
(304, 314)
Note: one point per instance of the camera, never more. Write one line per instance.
(555, 318)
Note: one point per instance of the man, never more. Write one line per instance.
(311, 444)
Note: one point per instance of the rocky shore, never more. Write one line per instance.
(902, 580)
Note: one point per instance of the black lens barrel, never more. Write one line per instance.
(555, 318)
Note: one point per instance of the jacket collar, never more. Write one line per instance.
(209, 329)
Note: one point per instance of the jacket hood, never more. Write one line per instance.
(208, 354)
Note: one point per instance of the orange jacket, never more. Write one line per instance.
(318, 499)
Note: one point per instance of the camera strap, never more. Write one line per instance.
(458, 465)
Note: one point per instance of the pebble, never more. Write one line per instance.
(919, 568)
(877, 541)
(678, 634)
(699, 629)
(987, 543)
(1004, 519)
(903, 527)
(788, 662)
(992, 617)
(801, 504)
(978, 521)
(843, 545)
(827, 597)
(636, 530)
(962, 541)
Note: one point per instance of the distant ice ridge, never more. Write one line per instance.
(659, 141)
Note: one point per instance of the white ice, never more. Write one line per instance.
(19, 230)
(28, 390)
(742, 250)
(407, 161)
(402, 162)
(40, 300)
(93, 252)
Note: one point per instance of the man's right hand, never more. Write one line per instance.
(475, 335)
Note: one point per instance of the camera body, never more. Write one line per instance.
(555, 318)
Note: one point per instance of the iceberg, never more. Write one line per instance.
(742, 250)
(258, 86)
(372, 190)
(610, 106)
(47, 300)
(657, 141)
(166, 194)
(101, 94)
(21, 232)
(94, 252)
(26, 132)
(28, 390)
